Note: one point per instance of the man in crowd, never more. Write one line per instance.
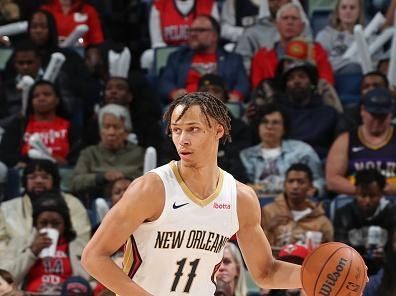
(203, 56)
(371, 145)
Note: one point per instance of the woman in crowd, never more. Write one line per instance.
(232, 270)
(267, 162)
(46, 119)
(114, 157)
(337, 37)
(39, 273)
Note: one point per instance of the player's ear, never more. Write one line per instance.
(219, 131)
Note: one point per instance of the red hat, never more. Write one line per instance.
(293, 253)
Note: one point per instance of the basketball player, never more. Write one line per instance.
(178, 217)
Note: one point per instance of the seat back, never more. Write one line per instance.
(319, 20)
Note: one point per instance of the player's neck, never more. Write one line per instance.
(202, 181)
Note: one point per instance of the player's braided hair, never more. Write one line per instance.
(210, 106)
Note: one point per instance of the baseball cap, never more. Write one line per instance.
(211, 79)
(378, 101)
(294, 64)
(76, 286)
(293, 253)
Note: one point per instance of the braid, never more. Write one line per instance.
(210, 106)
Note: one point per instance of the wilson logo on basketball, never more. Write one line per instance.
(332, 278)
(221, 206)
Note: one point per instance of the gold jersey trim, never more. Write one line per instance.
(388, 138)
(190, 194)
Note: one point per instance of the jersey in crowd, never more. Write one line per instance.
(180, 252)
(362, 155)
(175, 23)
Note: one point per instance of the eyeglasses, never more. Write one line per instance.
(267, 122)
(199, 30)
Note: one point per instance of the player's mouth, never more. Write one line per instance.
(184, 154)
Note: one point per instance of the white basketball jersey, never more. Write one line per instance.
(180, 252)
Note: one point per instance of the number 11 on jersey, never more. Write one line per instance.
(179, 274)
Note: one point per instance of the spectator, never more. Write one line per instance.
(338, 36)
(7, 284)
(118, 188)
(290, 25)
(39, 176)
(170, 20)
(25, 62)
(144, 109)
(112, 158)
(350, 119)
(232, 270)
(9, 11)
(312, 120)
(264, 32)
(45, 117)
(73, 80)
(371, 145)
(76, 286)
(24, 259)
(69, 14)
(238, 15)
(292, 214)
(267, 162)
(384, 282)
(203, 56)
(354, 223)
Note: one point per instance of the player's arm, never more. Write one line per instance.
(142, 201)
(337, 165)
(266, 271)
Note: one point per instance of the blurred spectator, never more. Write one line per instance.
(337, 37)
(69, 14)
(142, 105)
(292, 214)
(237, 15)
(290, 25)
(39, 176)
(45, 118)
(390, 13)
(267, 162)
(39, 274)
(203, 56)
(371, 145)
(170, 20)
(350, 119)
(264, 33)
(384, 282)
(295, 254)
(232, 271)
(26, 61)
(114, 157)
(7, 284)
(312, 120)
(9, 12)
(73, 80)
(364, 223)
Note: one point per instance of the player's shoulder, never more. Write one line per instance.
(149, 185)
(246, 196)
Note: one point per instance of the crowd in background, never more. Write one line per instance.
(84, 85)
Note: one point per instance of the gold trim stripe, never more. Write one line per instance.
(190, 194)
(389, 137)
(128, 257)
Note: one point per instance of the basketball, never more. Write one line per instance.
(334, 269)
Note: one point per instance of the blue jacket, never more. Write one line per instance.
(229, 67)
(292, 151)
(373, 284)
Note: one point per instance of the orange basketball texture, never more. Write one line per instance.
(333, 269)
